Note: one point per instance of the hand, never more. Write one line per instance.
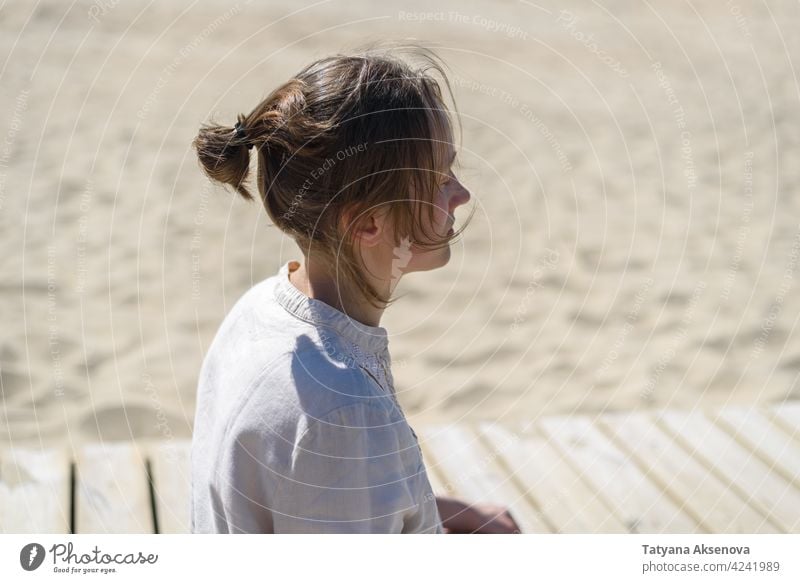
(459, 517)
(488, 519)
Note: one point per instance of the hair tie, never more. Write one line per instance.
(241, 133)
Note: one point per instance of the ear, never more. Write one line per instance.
(370, 228)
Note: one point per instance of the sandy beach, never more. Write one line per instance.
(636, 243)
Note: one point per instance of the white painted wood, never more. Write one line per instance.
(472, 473)
(634, 498)
(170, 465)
(788, 415)
(765, 490)
(557, 491)
(777, 449)
(112, 492)
(34, 491)
(736, 471)
(691, 481)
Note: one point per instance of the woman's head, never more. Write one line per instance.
(354, 163)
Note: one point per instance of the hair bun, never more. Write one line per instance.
(223, 154)
(240, 133)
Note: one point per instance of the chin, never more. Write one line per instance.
(429, 260)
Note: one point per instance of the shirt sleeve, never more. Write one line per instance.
(350, 472)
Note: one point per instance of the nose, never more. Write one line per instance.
(460, 196)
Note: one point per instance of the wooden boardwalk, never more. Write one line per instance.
(736, 470)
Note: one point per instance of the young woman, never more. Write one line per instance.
(297, 427)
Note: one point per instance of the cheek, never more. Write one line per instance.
(441, 213)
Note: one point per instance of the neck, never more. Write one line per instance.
(317, 283)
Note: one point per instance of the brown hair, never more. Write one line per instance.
(345, 136)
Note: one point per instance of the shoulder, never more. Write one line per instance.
(304, 385)
(326, 378)
(358, 433)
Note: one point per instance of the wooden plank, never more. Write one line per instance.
(766, 491)
(112, 492)
(556, 490)
(170, 466)
(35, 489)
(437, 481)
(701, 493)
(788, 415)
(472, 472)
(775, 447)
(635, 500)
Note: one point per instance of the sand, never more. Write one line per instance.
(634, 168)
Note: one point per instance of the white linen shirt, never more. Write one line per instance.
(297, 428)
